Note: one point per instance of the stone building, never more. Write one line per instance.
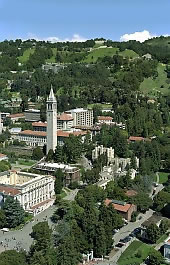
(34, 192)
(100, 150)
(71, 173)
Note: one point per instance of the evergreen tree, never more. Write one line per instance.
(100, 240)
(14, 212)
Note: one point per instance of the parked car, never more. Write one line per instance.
(119, 245)
(126, 239)
(116, 230)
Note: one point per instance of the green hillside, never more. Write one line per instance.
(129, 53)
(152, 87)
(52, 59)
(160, 41)
(24, 58)
(101, 52)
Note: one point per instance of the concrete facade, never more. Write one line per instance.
(100, 150)
(81, 117)
(34, 192)
(51, 122)
(32, 115)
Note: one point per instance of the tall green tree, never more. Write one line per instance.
(14, 212)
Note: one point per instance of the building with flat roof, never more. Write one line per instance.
(15, 117)
(81, 117)
(64, 122)
(32, 115)
(71, 173)
(34, 192)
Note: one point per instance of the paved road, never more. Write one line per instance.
(21, 238)
(123, 232)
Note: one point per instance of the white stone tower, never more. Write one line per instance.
(51, 121)
(1, 125)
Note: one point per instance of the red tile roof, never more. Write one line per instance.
(17, 115)
(40, 204)
(35, 133)
(131, 193)
(65, 117)
(39, 124)
(9, 190)
(2, 155)
(136, 138)
(59, 133)
(105, 118)
(119, 207)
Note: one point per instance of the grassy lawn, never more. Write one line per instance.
(152, 87)
(163, 177)
(24, 58)
(129, 53)
(136, 253)
(26, 162)
(162, 238)
(103, 106)
(101, 52)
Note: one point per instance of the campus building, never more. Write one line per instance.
(71, 173)
(32, 115)
(39, 138)
(124, 209)
(34, 192)
(81, 117)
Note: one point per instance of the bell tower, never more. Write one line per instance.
(51, 121)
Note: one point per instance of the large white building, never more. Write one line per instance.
(34, 192)
(51, 122)
(81, 117)
(39, 138)
(100, 150)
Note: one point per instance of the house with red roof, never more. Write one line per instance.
(124, 209)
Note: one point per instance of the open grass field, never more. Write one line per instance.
(103, 106)
(101, 52)
(152, 87)
(136, 253)
(24, 58)
(129, 53)
(163, 177)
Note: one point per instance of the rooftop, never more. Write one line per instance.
(16, 115)
(32, 110)
(77, 110)
(2, 155)
(154, 219)
(124, 207)
(59, 133)
(64, 117)
(105, 118)
(9, 190)
(131, 193)
(55, 165)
